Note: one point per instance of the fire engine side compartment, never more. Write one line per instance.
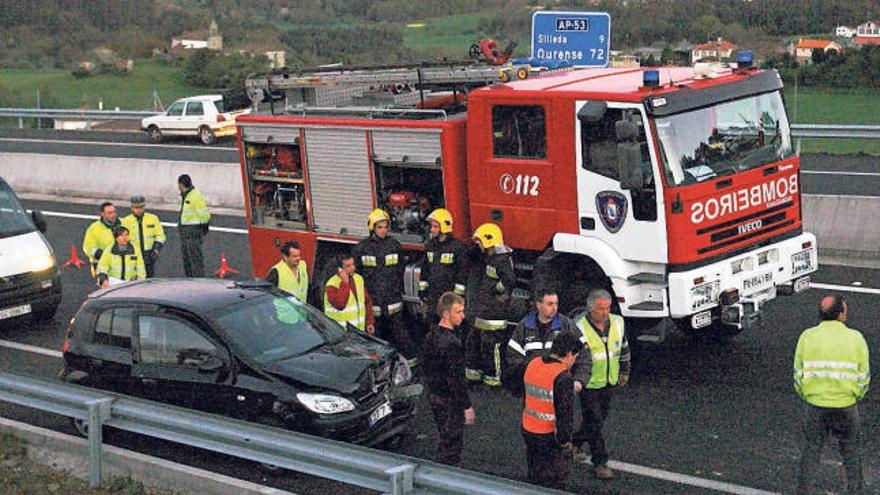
(332, 163)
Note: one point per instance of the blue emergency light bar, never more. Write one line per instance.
(744, 59)
(651, 78)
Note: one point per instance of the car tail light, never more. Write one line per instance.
(221, 118)
(65, 347)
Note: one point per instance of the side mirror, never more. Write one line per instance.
(592, 111)
(211, 364)
(39, 221)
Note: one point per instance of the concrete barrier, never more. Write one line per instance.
(844, 225)
(117, 179)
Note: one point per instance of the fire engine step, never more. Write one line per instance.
(647, 306)
(648, 278)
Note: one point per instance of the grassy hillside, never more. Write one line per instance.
(452, 36)
(826, 106)
(59, 89)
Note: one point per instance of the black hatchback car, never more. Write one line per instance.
(241, 349)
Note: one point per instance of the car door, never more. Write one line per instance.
(178, 361)
(109, 359)
(194, 117)
(173, 123)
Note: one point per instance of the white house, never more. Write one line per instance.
(804, 48)
(868, 34)
(845, 32)
(715, 50)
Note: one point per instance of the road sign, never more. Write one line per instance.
(581, 38)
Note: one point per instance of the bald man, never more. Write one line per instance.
(831, 375)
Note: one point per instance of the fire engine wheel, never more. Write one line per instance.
(717, 331)
(206, 135)
(155, 134)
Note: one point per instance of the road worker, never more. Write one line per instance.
(534, 335)
(99, 235)
(290, 274)
(548, 412)
(444, 268)
(493, 281)
(380, 259)
(443, 366)
(121, 262)
(831, 375)
(193, 226)
(346, 298)
(603, 366)
(146, 232)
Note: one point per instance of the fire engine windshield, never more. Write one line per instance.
(724, 139)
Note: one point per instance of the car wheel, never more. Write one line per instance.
(155, 134)
(206, 135)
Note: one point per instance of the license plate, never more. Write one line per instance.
(801, 284)
(380, 412)
(701, 320)
(802, 262)
(757, 282)
(15, 311)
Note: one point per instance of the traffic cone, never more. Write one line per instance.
(74, 259)
(224, 267)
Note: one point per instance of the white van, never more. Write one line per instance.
(30, 282)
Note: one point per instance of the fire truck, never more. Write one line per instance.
(676, 189)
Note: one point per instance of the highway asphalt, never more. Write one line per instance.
(718, 412)
(851, 175)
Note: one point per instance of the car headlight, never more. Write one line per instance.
(42, 263)
(402, 373)
(325, 403)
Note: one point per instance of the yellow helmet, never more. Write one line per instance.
(489, 235)
(378, 215)
(444, 218)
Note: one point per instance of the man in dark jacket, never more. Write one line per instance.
(548, 413)
(444, 268)
(380, 260)
(533, 336)
(443, 366)
(493, 281)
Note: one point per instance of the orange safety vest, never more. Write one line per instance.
(539, 416)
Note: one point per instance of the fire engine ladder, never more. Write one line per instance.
(423, 76)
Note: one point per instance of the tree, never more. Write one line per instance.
(667, 57)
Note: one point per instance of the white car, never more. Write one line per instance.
(204, 116)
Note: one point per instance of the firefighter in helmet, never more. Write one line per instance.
(444, 268)
(492, 280)
(380, 259)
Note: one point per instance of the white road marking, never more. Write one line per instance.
(845, 288)
(64, 214)
(835, 172)
(139, 145)
(30, 348)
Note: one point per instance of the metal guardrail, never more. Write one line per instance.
(50, 113)
(835, 131)
(376, 470)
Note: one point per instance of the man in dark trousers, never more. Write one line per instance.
(146, 233)
(602, 366)
(380, 260)
(444, 268)
(443, 366)
(533, 336)
(192, 226)
(831, 374)
(548, 412)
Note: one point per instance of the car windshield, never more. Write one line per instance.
(274, 327)
(724, 139)
(14, 220)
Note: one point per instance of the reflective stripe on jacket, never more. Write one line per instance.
(294, 283)
(355, 311)
(122, 267)
(539, 414)
(831, 366)
(605, 351)
(152, 228)
(98, 236)
(193, 209)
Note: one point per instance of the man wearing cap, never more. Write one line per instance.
(146, 232)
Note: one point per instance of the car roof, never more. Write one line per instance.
(198, 295)
(201, 98)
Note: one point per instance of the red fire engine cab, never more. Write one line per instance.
(678, 191)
